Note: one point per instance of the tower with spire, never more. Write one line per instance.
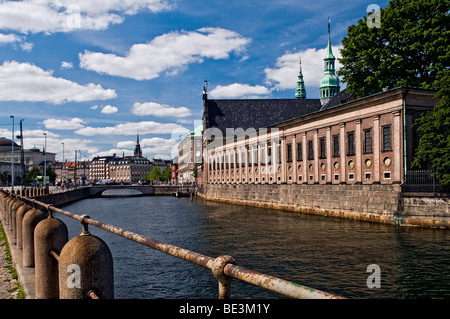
(300, 92)
(329, 85)
(137, 150)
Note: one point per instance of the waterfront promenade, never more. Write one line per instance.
(8, 285)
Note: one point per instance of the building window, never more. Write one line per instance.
(351, 143)
(263, 155)
(289, 153)
(336, 145)
(299, 152)
(367, 141)
(278, 153)
(310, 150)
(387, 138)
(322, 148)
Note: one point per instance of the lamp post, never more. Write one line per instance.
(45, 159)
(64, 165)
(12, 154)
(22, 155)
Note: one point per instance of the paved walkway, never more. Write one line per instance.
(8, 288)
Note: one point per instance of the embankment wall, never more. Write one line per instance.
(378, 203)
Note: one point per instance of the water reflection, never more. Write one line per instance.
(324, 253)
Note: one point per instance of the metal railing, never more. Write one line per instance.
(223, 267)
(422, 181)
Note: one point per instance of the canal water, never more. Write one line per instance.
(329, 254)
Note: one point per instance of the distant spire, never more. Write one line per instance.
(300, 92)
(137, 150)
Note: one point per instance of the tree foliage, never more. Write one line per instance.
(155, 174)
(434, 132)
(166, 173)
(409, 49)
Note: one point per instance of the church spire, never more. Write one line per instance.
(137, 150)
(329, 85)
(300, 92)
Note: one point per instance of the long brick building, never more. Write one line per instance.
(337, 155)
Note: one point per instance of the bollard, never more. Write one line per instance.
(9, 212)
(5, 210)
(20, 213)
(3, 197)
(85, 266)
(50, 236)
(14, 209)
(29, 222)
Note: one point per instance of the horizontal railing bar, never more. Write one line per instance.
(55, 255)
(280, 286)
(277, 285)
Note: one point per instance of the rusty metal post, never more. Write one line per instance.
(86, 266)
(50, 236)
(223, 280)
(20, 213)
(29, 222)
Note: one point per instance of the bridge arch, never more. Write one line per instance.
(120, 190)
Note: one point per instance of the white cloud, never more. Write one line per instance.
(27, 82)
(238, 90)
(66, 65)
(72, 124)
(109, 109)
(9, 38)
(15, 39)
(159, 110)
(26, 46)
(145, 127)
(94, 107)
(169, 53)
(67, 15)
(54, 145)
(39, 133)
(151, 145)
(284, 75)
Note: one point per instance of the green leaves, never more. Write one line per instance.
(410, 48)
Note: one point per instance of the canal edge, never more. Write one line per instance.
(25, 276)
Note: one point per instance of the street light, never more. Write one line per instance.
(64, 164)
(45, 159)
(12, 154)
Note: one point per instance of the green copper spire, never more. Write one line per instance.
(329, 85)
(300, 92)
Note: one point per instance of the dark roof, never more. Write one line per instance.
(340, 98)
(223, 114)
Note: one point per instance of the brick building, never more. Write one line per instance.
(337, 139)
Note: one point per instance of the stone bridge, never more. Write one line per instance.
(97, 190)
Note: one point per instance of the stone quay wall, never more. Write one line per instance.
(377, 203)
(64, 198)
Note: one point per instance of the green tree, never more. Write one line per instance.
(155, 174)
(51, 174)
(32, 174)
(409, 49)
(434, 132)
(166, 173)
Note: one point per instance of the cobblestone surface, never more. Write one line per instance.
(8, 288)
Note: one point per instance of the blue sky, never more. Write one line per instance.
(93, 73)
